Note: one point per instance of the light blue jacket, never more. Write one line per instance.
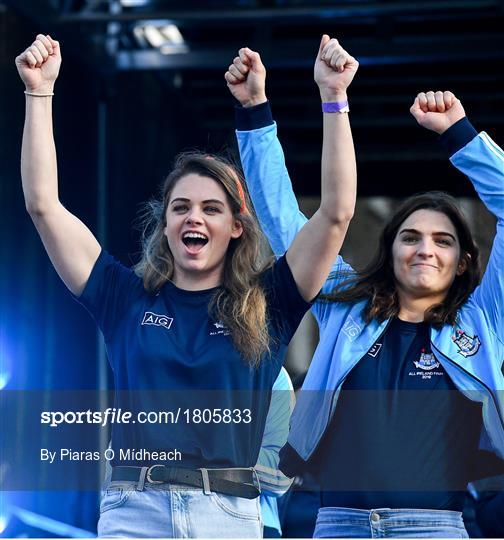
(273, 483)
(471, 352)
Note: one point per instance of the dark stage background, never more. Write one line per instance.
(123, 109)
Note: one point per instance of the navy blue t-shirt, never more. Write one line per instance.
(402, 435)
(168, 355)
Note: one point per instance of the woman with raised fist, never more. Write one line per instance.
(199, 312)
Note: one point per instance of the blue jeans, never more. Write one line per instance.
(387, 522)
(176, 511)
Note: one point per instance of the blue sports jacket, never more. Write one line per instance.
(471, 351)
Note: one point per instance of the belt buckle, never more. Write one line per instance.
(148, 475)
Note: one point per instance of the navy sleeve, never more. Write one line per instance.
(286, 306)
(249, 118)
(110, 289)
(457, 136)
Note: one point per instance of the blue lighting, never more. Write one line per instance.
(4, 512)
(5, 361)
(5, 376)
(3, 523)
(5, 367)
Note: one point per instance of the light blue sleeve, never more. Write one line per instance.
(273, 481)
(483, 162)
(269, 512)
(274, 201)
(270, 187)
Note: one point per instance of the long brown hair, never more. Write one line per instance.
(377, 283)
(240, 303)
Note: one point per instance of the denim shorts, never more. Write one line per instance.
(388, 523)
(175, 511)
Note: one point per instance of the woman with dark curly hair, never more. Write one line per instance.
(408, 372)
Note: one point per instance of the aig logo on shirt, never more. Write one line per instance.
(157, 320)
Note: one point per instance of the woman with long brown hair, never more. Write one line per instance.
(408, 371)
(200, 326)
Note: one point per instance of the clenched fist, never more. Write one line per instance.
(334, 69)
(437, 111)
(246, 78)
(39, 65)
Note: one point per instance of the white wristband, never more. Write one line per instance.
(38, 95)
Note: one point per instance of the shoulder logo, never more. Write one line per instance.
(154, 319)
(427, 361)
(467, 345)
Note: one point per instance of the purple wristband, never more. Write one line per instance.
(335, 106)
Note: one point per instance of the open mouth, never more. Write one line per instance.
(194, 240)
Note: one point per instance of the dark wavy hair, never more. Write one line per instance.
(240, 303)
(376, 283)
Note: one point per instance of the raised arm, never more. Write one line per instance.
(482, 161)
(261, 153)
(72, 248)
(316, 244)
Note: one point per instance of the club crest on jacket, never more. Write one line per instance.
(468, 346)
